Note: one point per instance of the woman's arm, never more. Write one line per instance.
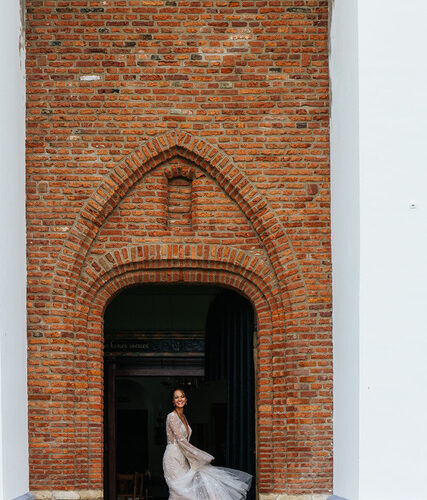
(197, 458)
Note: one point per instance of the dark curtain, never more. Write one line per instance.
(230, 357)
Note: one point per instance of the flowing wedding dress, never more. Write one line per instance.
(188, 472)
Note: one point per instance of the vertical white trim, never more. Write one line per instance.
(345, 234)
(13, 341)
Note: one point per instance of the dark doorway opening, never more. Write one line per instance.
(160, 336)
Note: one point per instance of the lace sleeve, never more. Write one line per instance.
(196, 458)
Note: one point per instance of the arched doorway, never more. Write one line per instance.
(159, 336)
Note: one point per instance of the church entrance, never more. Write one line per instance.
(158, 337)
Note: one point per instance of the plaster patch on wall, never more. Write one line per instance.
(89, 78)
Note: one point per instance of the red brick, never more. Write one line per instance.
(233, 97)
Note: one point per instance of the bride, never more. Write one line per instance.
(187, 469)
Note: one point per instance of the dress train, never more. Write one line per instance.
(188, 472)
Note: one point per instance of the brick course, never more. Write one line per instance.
(178, 141)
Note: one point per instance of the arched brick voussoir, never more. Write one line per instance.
(180, 171)
(231, 260)
(192, 270)
(216, 163)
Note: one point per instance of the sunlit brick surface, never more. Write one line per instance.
(173, 141)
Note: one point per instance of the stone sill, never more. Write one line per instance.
(275, 496)
(99, 495)
(68, 495)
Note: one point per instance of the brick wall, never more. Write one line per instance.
(178, 141)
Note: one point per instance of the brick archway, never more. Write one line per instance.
(209, 266)
(180, 257)
(215, 163)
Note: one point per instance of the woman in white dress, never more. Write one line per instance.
(187, 469)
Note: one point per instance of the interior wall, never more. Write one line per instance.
(160, 308)
(13, 375)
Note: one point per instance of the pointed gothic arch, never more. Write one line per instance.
(115, 185)
(275, 285)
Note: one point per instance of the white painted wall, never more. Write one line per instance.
(393, 299)
(345, 243)
(13, 380)
(392, 368)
